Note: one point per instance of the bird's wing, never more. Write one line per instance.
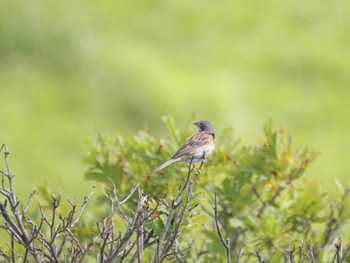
(195, 142)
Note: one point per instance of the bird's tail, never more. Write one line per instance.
(166, 164)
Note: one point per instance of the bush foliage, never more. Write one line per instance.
(246, 204)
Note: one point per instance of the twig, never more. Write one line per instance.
(260, 258)
(310, 254)
(290, 254)
(340, 254)
(239, 253)
(301, 252)
(82, 208)
(227, 242)
(175, 218)
(29, 201)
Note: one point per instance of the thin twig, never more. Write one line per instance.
(239, 253)
(227, 242)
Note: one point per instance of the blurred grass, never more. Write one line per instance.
(70, 70)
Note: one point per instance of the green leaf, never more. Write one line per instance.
(236, 223)
(158, 226)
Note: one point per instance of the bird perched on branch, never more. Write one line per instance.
(197, 148)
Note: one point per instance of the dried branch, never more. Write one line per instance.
(301, 252)
(239, 253)
(217, 224)
(341, 251)
(53, 237)
(310, 254)
(260, 258)
(175, 217)
(291, 254)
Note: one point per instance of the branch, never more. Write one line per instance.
(176, 218)
(14, 223)
(260, 258)
(228, 241)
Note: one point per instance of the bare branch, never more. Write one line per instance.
(260, 258)
(217, 224)
(82, 208)
(29, 201)
(239, 253)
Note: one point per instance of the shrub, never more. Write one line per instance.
(246, 204)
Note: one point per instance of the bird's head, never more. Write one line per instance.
(205, 126)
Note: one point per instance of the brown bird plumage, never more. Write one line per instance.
(197, 148)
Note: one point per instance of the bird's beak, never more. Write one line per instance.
(196, 124)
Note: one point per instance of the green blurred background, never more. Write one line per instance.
(72, 69)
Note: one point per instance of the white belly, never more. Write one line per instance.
(202, 154)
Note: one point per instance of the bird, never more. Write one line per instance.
(197, 148)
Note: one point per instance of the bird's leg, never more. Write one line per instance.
(204, 160)
(199, 169)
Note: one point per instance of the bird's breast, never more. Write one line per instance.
(206, 149)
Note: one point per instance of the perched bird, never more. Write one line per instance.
(197, 148)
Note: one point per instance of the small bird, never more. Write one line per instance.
(197, 148)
